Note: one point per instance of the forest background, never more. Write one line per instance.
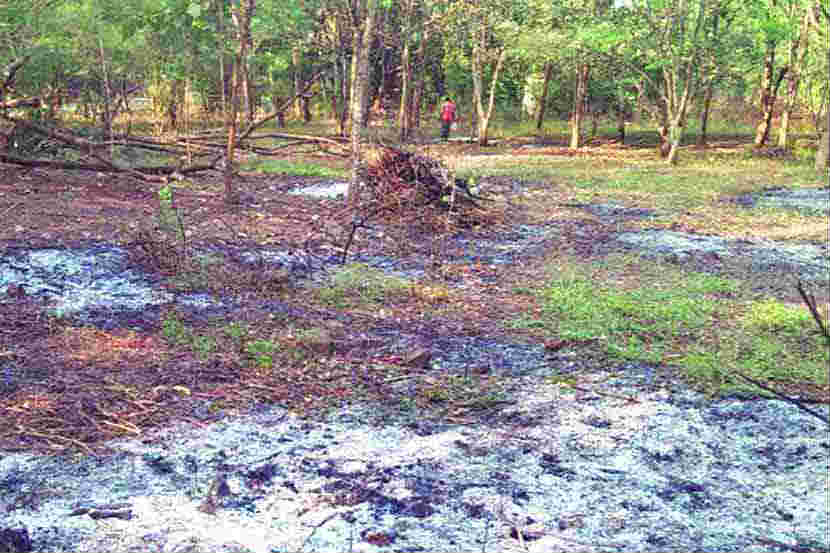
(678, 66)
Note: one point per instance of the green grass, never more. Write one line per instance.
(284, 167)
(702, 324)
(357, 284)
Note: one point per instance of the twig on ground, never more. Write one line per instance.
(810, 300)
(11, 208)
(797, 403)
(618, 396)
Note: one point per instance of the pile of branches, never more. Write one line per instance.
(400, 183)
(410, 194)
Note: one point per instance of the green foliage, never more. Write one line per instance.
(773, 316)
(175, 331)
(262, 352)
(637, 324)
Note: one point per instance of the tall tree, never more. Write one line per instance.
(241, 17)
(667, 43)
(491, 29)
(364, 15)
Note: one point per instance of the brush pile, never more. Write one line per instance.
(400, 183)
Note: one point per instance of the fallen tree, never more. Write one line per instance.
(207, 148)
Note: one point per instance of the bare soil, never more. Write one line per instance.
(106, 384)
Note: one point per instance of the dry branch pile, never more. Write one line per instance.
(410, 194)
(403, 183)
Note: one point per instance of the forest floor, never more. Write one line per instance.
(309, 342)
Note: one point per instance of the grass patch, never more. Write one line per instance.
(284, 167)
(358, 284)
(705, 325)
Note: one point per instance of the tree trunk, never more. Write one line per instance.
(220, 46)
(345, 96)
(363, 30)
(582, 74)
(242, 22)
(404, 115)
(543, 101)
(418, 77)
(296, 59)
(798, 51)
(247, 96)
(823, 154)
(675, 136)
(704, 114)
(482, 115)
(107, 114)
(769, 90)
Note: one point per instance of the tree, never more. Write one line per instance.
(241, 17)
(666, 42)
(364, 14)
(797, 54)
(817, 12)
(488, 30)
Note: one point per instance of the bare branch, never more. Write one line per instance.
(797, 403)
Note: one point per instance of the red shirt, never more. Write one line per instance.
(448, 112)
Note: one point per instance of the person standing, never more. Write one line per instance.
(447, 117)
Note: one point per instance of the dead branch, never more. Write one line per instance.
(147, 173)
(797, 403)
(275, 113)
(82, 144)
(810, 301)
(33, 102)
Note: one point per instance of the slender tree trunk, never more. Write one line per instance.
(621, 114)
(482, 115)
(675, 136)
(798, 51)
(220, 46)
(345, 97)
(769, 90)
(582, 74)
(823, 154)
(704, 114)
(543, 101)
(418, 77)
(296, 60)
(404, 115)
(107, 113)
(363, 31)
(242, 21)
(247, 96)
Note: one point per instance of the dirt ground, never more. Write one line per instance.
(105, 384)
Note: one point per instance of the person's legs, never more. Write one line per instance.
(445, 129)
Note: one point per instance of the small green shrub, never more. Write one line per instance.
(358, 283)
(175, 331)
(262, 352)
(203, 346)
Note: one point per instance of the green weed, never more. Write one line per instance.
(770, 315)
(175, 331)
(262, 352)
(359, 284)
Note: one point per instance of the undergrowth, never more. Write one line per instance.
(706, 326)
